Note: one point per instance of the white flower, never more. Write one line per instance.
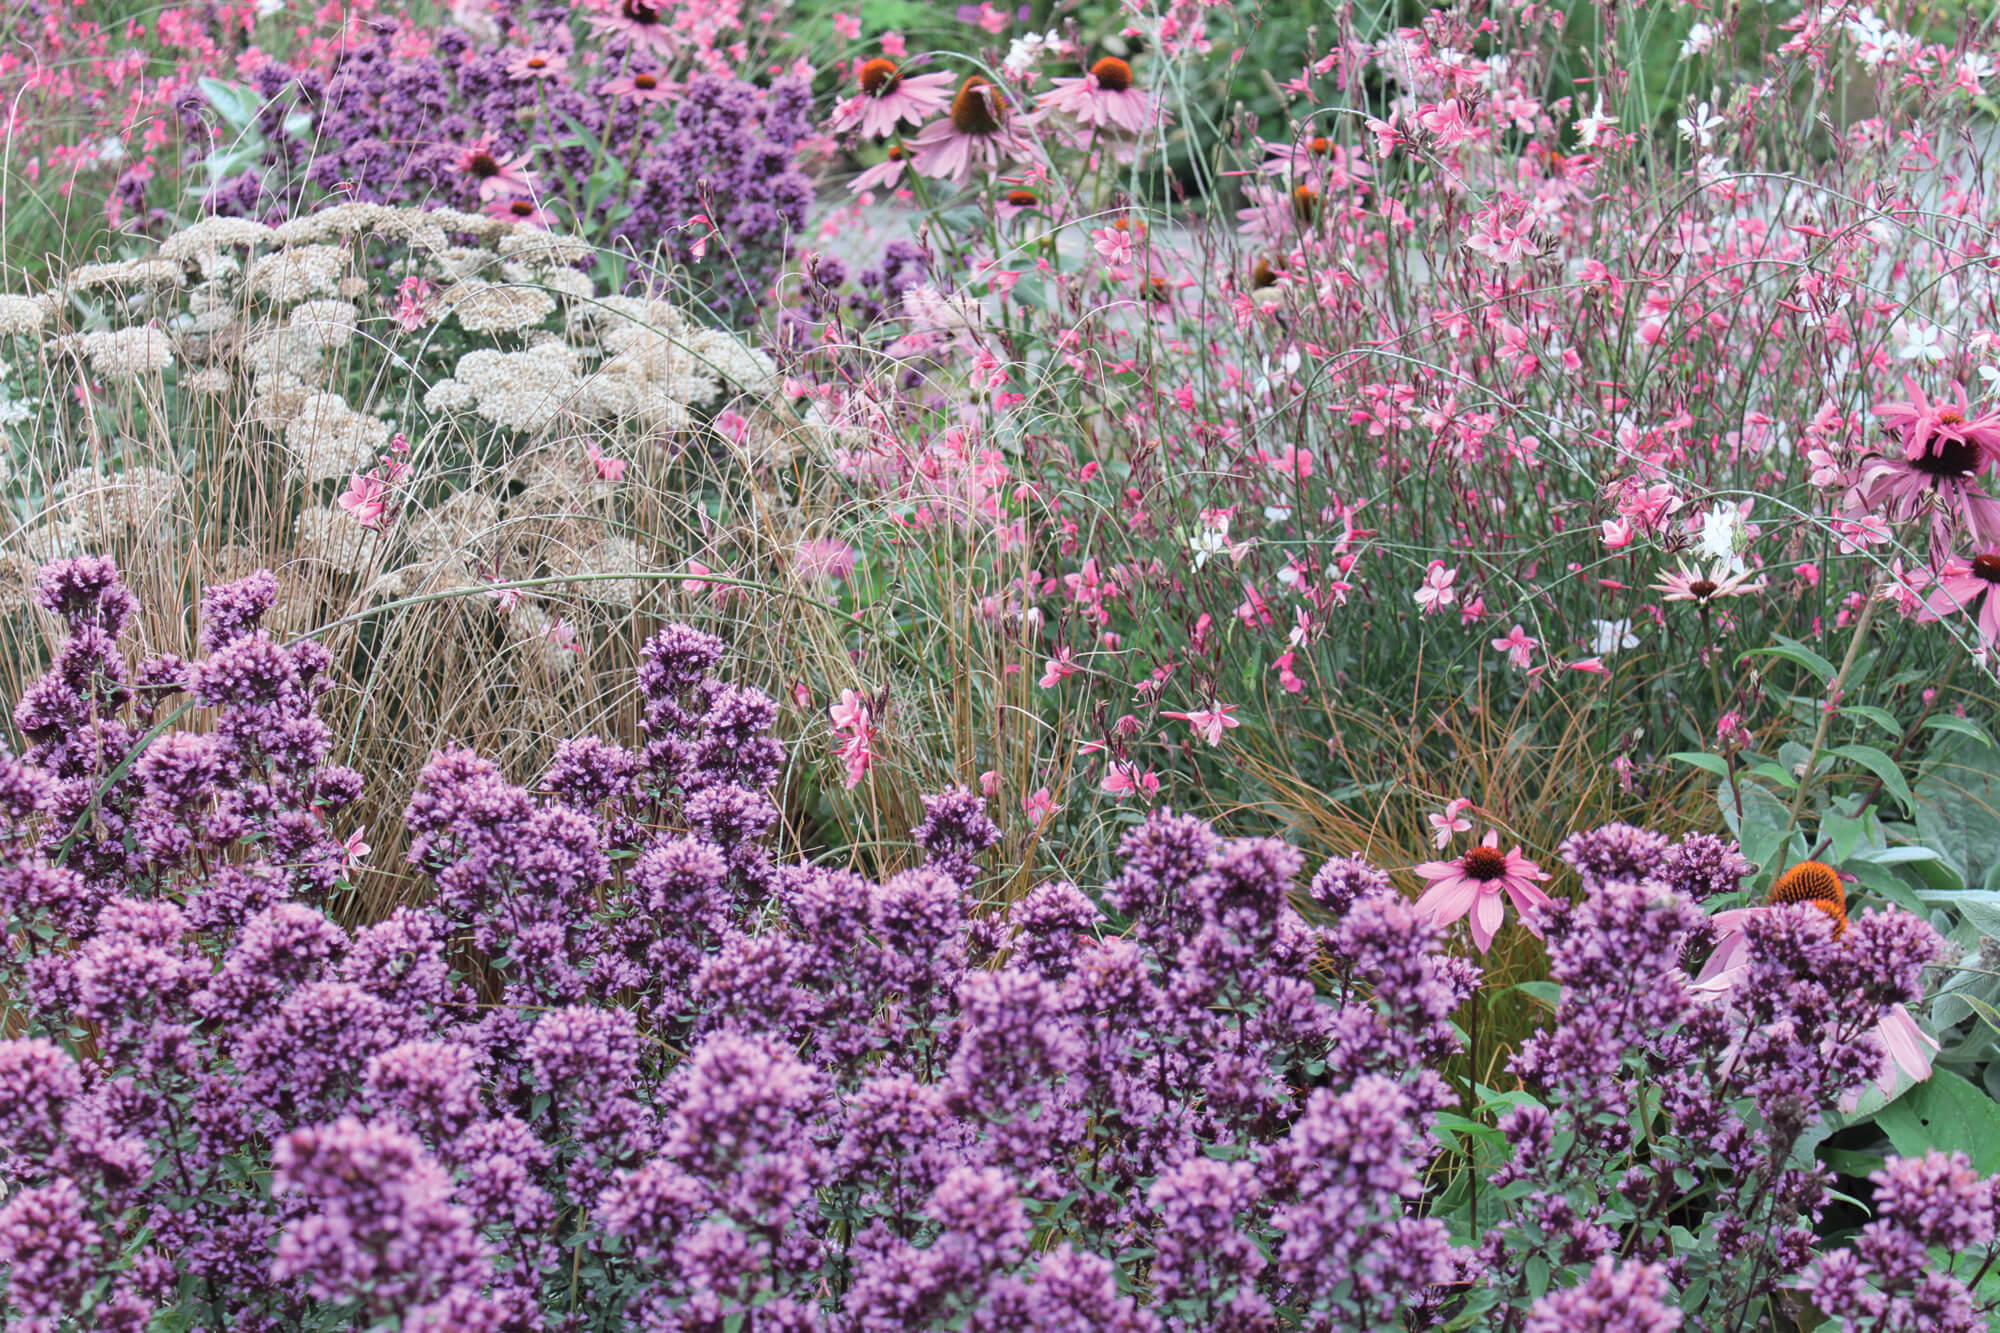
(1699, 39)
(1613, 635)
(1590, 129)
(1918, 341)
(1027, 51)
(1207, 544)
(1701, 126)
(111, 149)
(1722, 536)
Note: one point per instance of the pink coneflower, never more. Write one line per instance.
(644, 23)
(885, 175)
(642, 86)
(1933, 469)
(537, 62)
(889, 97)
(824, 559)
(976, 133)
(1471, 886)
(1105, 98)
(1693, 585)
(1906, 1047)
(499, 177)
(522, 209)
(1941, 427)
(1968, 585)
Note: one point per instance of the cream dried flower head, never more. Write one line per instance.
(324, 324)
(21, 316)
(299, 273)
(126, 354)
(329, 440)
(489, 307)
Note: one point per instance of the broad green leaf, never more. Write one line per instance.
(1881, 717)
(1961, 726)
(1791, 650)
(1878, 762)
(1708, 763)
(1946, 1113)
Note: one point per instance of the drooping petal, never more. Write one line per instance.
(1487, 914)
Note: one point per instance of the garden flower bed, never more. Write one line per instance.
(1151, 667)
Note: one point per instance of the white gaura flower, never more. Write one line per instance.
(1919, 341)
(1722, 537)
(1613, 635)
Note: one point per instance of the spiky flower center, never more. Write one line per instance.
(1484, 864)
(1112, 74)
(880, 77)
(1262, 274)
(1948, 460)
(1815, 883)
(1703, 589)
(643, 12)
(537, 62)
(1305, 202)
(1987, 567)
(522, 208)
(645, 83)
(483, 165)
(1022, 198)
(978, 108)
(1320, 146)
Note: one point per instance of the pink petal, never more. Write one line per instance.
(1449, 899)
(1487, 914)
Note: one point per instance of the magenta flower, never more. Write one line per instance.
(1209, 723)
(366, 499)
(1103, 99)
(1519, 645)
(1472, 885)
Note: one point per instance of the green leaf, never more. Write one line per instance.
(1881, 717)
(1878, 762)
(1961, 726)
(1949, 1114)
(1791, 650)
(1708, 763)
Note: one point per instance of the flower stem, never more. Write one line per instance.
(1835, 688)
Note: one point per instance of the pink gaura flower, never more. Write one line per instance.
(824, 559)
(1209, 723)
(1058, 668)
(1124, 778)
(1471, 886)
(1105, 98)
(366, 499)
(976, 133)
(608, 468)
(854, 726)
(353, 851)
(889, 97)
(563, 635)
(1451, 821)
(1436, 592)
(1519, 646)
(498, 177)
(1039, 806)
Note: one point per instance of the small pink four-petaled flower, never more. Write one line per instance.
(1209, 723)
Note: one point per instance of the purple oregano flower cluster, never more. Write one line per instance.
(622, 1071)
